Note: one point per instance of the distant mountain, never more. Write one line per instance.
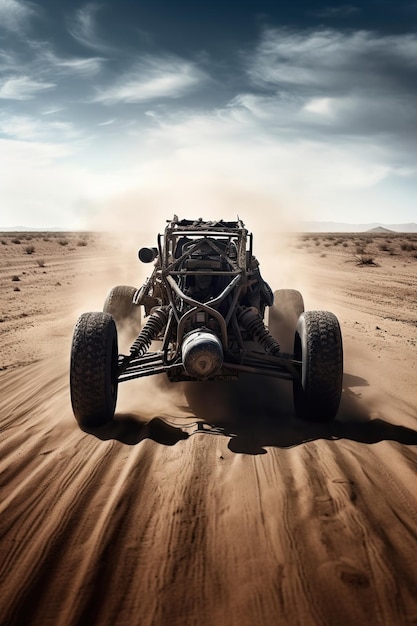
(342, 227)
(380, 229)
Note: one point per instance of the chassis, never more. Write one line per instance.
(204, 306)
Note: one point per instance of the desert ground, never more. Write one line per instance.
(211, 503)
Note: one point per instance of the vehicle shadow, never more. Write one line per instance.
(131, 429)
(258, 413)
(255, 413)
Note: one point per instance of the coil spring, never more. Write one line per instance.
(257, 329)
(154, 324)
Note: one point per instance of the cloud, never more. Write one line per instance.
(83, 27)
(326, 84)
(334, 62)
(342, 11)
(22, 88)
(27, 128)
(152, 79)
(14, 14)
(58, 190)
(75, 65)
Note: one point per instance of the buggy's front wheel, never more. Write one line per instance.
(318, 345)
(93, 369)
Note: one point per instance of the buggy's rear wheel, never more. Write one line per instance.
(93, 370)
(283, 316)
(318, 345)
(119, 303)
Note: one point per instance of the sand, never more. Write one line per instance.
(207, 504)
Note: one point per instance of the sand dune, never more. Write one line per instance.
(208, 503)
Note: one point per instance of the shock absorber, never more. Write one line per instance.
(253, 323)
(154, 324)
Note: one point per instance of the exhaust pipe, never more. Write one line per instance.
(202, 354)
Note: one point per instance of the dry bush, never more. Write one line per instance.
(16, 240)
(63, 242)
(365, 259)
(15, 278)
(29, 249)
(41, 262)
(4, 242)
(407, 247)
(384, 247)
(16, 288)
(82, 242)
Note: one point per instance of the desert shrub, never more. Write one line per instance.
(15, 278)
(407, 247)
(29, 249)
(63, 242)
(16, 240)
(46, 239)
(365, 259)
(41, 262)
(345, 244)
(82, 242)
(4, 242)
(360, 250)
(16, 288)
(384, 247)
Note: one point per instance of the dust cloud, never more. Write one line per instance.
(134, 219)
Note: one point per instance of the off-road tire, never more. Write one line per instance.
(318, 345)
(283, 316)
(93, 370)
(119, 303)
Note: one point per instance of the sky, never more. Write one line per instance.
(122, 113)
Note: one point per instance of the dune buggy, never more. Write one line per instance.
(204, 318)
